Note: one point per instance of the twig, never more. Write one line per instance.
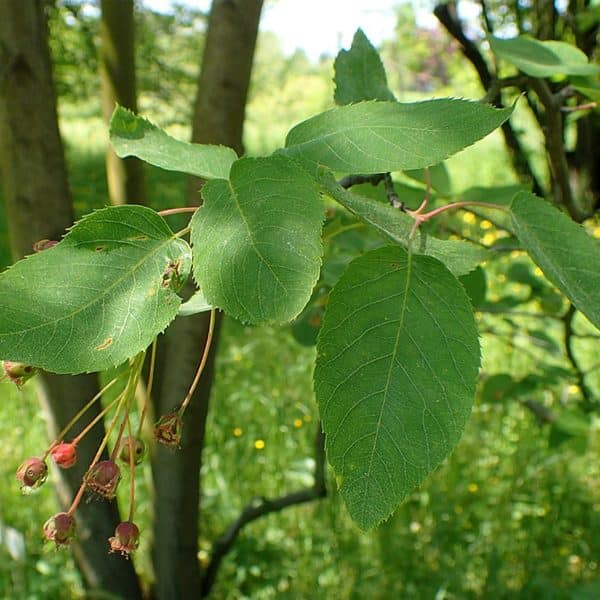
(390, 192)
(579, 107)
(260, 507)
(375, 179)
(350, 180)
(588, 403)
(447, 16)
(540, 412)
(553, 133)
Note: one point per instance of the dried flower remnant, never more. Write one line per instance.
(103, 478)
(64, 454)
(126, 538)
(42, 245)
(32, 474)
(18, 372)
(60, 529)
(168, 430)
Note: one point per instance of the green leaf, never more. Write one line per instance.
(501, 194)
(397, 360)
(588, 86)
(305, 328)
(131, 135)
(359, 73)
(459, 256)
(196, 304)
(542, 59)
(475, 284)
(98, 297)
(567, 255)
(377, 137)
(439, 178)
(257, 240)
(497, 387)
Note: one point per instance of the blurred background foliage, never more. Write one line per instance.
(513, 513)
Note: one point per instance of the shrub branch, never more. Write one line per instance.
(259, 507)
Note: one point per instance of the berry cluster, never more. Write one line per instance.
(103, 476)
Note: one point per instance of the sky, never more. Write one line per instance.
(318, 26)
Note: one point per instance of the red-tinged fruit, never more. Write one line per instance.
(60, 529)
(103, 478)
(64, 454)
(18, 372)
(168, 430)
(126, 538)
(129, 444)
(32, 473)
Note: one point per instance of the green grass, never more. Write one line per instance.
(509, 515)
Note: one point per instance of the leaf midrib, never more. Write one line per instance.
(389, 376)
(100, 299)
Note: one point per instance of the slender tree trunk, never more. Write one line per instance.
(117, 78)
(218, 119)
(38, 206)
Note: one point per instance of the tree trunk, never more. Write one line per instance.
(218, 119)
(117, 78)
(38, 206)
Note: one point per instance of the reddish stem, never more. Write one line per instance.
(132, 471)
(209, 336)
(148, 388)
(422, 218)
(177, 211)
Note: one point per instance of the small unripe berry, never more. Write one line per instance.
(132, 443)
(18, 372)
(32, 473)
(126, 538)
(103, 478)
(64, 454)
(60, 529)
(168, 429)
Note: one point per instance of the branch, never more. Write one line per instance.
(375, 179)
(589, 404)
(260, 507)
(540, 412)
(350, 180)
(555, 146)
(446, 15)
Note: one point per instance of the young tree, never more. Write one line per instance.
(219, 108)
(398, 350)
(118, 84)
(38, 205)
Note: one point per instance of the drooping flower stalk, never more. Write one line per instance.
(209, 338)
(80, 413)
(149, 385)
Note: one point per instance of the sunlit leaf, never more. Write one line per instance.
(359, 73)
(543, 59)
(377, 137)
(459, 256)
(98, 297)
(437, 175)
(196, 304)
(131, 135)
(567, 255)
(257, 240)
(397, 360)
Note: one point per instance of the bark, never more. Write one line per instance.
(118, 85)
(38, 206)
(218, 119)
